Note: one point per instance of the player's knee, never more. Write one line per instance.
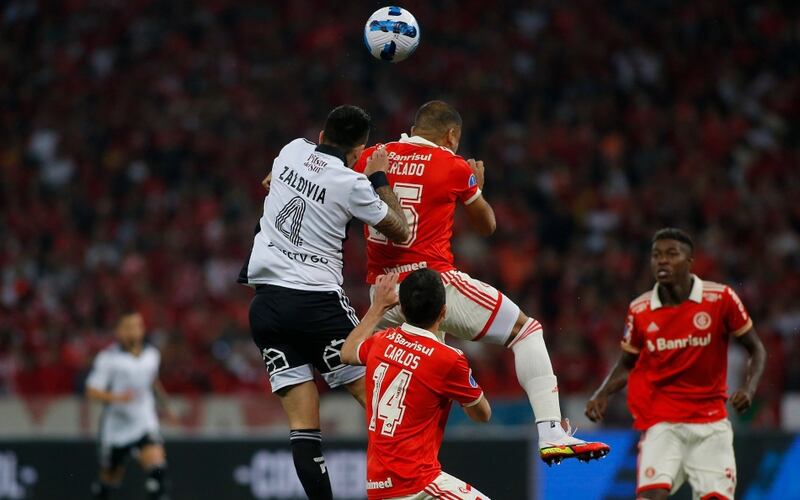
(152, 456)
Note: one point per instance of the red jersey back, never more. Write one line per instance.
(428, 181)
(681, 372)
(411, 379)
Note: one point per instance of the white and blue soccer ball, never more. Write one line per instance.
(391, 34)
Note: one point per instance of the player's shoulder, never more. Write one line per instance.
(151, 350)
(713, 291)
(641, 303)
(445, 351)
(297, 145)
(712, 286)
(109, 352)
(111, 349)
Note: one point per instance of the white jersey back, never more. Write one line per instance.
(313, 196)
(116, 370)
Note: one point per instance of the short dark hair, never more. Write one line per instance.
(347, 127)
(422, 297)
(437, 116)
(672, 233)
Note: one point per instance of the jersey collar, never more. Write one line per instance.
(421, 141)
(696, 295)
(415, 330)
(327, 149)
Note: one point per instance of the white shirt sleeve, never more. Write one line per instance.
(100, 376)
(364, 203)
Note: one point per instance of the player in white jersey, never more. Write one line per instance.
(124, 378)
(300, 316)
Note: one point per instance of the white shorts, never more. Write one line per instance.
(447, 487)
(670, 453)
(475, 310)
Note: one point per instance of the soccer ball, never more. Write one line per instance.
(391, 34)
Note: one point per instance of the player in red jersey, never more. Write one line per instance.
(430, 179)
(412, 377)
(674, 360)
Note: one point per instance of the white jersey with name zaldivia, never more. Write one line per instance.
(118, 371)
(312, 197)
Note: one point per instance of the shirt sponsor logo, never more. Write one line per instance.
(315, 163)
(397, 338)
(303, 258)
(406, 268)
(702, 320)
(662, 344)
(379, 485)
(412, 157)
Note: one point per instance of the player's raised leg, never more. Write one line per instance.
(479, 312)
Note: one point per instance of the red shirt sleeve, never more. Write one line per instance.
(465, 184)
(737, 320)
(363, 349)
(459, 384)
(361, 163)
(632, 340)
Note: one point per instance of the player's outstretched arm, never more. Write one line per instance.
(614, 382)
(743, 398)
(385, 298)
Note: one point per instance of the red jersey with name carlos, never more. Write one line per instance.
(428, 180)
(681, 372)
(411, 380)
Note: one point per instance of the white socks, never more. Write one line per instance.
(535, 375)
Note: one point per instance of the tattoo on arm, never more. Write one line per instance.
(394, 225)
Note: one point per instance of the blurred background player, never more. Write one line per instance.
(300, 316)
(124, 378)
(412, 377)
(429, 180)
(675, 360)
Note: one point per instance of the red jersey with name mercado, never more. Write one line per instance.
(411, 380)
(681, 372)
(428, 180)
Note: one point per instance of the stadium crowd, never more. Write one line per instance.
(134, 135)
